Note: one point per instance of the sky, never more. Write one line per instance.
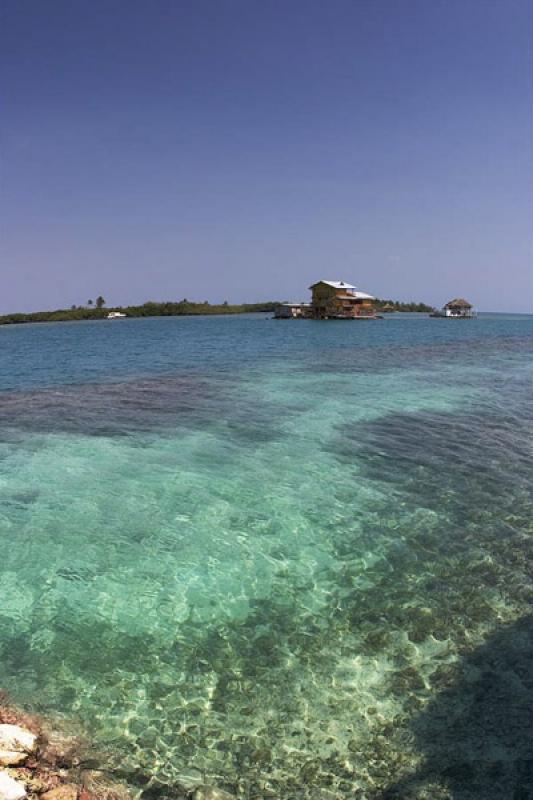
(241, 150)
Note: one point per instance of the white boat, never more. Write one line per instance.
(115, 315)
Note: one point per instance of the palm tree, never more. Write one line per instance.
(100, 302)
(89, 302)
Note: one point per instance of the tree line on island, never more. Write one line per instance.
(396, 305)
(98, 310)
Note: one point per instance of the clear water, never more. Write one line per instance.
(294, 556)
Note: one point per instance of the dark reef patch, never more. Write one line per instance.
(110, 408)
(130, 408)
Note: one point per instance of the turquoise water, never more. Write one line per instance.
(293, 556)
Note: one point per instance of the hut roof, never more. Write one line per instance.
(459, 302)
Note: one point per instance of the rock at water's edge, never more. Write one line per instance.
(66, 791)
(13, 737)
(10, 789)
(48, 761)
(16, 744)
(12, 758)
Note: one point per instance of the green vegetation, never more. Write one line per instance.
(149, 309)
(397, 306)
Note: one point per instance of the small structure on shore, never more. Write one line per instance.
(388, 308)
(456, 309)
(293, 311)
(340, 300)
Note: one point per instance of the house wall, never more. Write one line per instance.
(458, 312)
(322, 295)
(324, 300)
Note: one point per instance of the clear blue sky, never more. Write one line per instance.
(241, 149)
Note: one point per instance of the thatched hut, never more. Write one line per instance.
(456, 309)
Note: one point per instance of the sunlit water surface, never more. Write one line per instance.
(295, 557)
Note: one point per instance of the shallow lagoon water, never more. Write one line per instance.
(293, 556)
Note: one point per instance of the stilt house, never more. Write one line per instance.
(340, 300)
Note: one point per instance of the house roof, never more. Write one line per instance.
(355, 296)
(459, 302)
(335, 284)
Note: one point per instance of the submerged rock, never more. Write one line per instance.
(190, 780)
(61, 749)
(97, 783)
(212, 793)
(16, 744)
(10, 789)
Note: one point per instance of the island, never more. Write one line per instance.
(100, 311)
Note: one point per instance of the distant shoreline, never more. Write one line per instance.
(149, 309)
(184, 308)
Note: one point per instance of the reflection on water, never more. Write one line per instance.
(296, 576)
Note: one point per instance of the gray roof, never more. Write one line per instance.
(335, 284)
